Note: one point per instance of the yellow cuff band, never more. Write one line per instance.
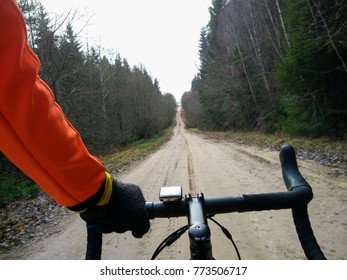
(80, 212)
(108, 191)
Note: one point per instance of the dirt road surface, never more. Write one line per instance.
(217, 169)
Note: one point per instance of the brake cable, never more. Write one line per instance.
(227, 234)
(169, 240)
(178, 233)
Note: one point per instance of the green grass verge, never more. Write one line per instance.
(118, 160)
(12, 188)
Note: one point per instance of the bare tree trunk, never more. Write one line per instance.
(277, 47)
(255, 43)
(313, 16)
(104, 93)
(282, 23)
(331, 41)
(244, 66)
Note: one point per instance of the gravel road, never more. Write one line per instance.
(216, 168)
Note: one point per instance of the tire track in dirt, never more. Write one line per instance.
(191, 175)
(190, 165)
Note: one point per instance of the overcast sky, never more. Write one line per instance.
(163, 35)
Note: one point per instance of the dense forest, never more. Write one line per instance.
(275, 66)
(109, 102)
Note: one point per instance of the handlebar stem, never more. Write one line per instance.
(198, 229)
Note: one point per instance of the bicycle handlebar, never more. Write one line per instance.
(290, 172)
(299, 193)
(297, 197)
(295, 181)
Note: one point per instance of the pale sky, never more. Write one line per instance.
(163, 35)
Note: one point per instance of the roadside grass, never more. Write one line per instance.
(120, 159)
(13, 188)
(327, 146)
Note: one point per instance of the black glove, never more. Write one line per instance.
(125, 210)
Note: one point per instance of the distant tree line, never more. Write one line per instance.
(272, 66)
(110, 103)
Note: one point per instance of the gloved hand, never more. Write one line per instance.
(121, 208)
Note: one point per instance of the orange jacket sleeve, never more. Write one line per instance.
(34, 133)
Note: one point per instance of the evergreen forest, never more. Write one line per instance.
(273, 66)
(111, 103)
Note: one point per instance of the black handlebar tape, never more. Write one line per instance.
(306, 235)
(276, 201)
(291, 174)
(94, 243)
(294, 181)
(299, 191)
